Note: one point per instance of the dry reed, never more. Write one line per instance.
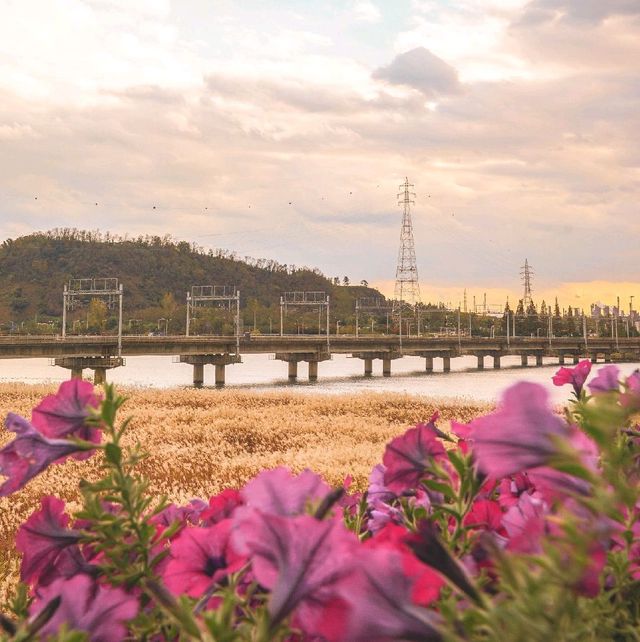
(201, 441)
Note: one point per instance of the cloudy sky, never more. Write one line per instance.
(282, 129)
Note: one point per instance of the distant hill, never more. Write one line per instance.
(156, 273)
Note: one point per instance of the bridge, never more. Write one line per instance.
(101, 353)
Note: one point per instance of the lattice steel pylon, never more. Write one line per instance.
(407, 290)
(526, 274)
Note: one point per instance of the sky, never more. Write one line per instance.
(282, 130)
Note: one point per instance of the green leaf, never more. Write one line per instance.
(113, 454)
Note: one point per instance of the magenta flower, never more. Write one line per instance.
(630, 398)
(221, 506)
(29, 454)
(280, 492)
(575, 376)
(66, 412)
(407, 456)
(300, 559)
(100, 611)
(518, 435)
(380, 605)
(606, 380)
(44, 541)
(525, 523)
(200, 558)
(485, 514)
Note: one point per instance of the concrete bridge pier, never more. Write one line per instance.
(198, 375)
(446, 364)
(386, 367)
(428, 364)
(576, 359)
(368, 367)
(496, 361)
(480, 362)
(99, 365)
(538, 360)
(524, 360)
(561, 359)
(199, 361)
(294, 358)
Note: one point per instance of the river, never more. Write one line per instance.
(339, 375)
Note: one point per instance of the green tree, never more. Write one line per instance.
(97, 314)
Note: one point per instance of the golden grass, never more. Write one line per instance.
(201, 441)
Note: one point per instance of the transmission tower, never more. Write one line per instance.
(407, 290)
(526, 274)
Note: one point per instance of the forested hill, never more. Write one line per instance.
(34, 269)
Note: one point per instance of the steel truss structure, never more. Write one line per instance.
(304, 299)
(106, 288)
(214, 296)
(371, 304)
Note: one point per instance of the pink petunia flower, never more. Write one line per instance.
(29, 454)
(485, 514)
(406, 457)
(221, 506)
(525, 523)
(575, 376)
(517, 436)
(280, 492)
(44, 541)
(200, 558)
(100, 611)
(65, 413)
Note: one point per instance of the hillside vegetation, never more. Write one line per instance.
(156, 273)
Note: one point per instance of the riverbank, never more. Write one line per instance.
(201, 441)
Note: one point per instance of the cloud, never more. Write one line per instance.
(577, 12)
(366, 11)
(421, 70)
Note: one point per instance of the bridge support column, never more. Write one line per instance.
(538, 360)
(446, 364)
(99, 365)
(428, 364)
(368, 367)
(524, 360)
(313, 371)
(220, 374)
(198, 375)
(480, 362)
(576, 359)
(386, 367)
(496, 361)
(561, 359)
(594, 357)
(293, 370)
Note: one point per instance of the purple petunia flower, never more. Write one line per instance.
(44, 541)
(29, 454)
(606, 380)
(517, 436)
(407, 456)
(575, 376)
(100, 611)
(280, 492)
(300, 559)
(65, 413)
(380, 604)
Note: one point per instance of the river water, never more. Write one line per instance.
(339, 375)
